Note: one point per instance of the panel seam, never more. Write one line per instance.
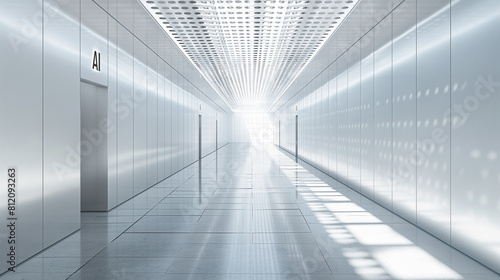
(43, 123)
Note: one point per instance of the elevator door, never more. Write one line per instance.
(93, 147)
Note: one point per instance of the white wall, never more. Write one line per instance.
(39, 121)
(154, 109)
(408, 116)
(152, 118)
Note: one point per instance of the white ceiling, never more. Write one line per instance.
(250, 51)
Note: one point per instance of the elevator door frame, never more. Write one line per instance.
(279, 133)
(296, 136)
(199, 137)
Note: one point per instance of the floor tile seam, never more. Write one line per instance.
(144, 215)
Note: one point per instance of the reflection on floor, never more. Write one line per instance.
(249, 212)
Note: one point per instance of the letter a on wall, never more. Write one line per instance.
(96, 61)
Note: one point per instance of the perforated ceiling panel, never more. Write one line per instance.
(250, 51)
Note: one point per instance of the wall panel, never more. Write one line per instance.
(152, 119)
(161, 120)
(342, 119)
(112, 113)
(325, 133)
(21, 125)
(302, 110)
(354, 116)
(412, 110)
(404, 108)
(433, 131)
(383, 112)
(475, 101)
(332, 118)
(315, 155)
(140, 116)
(175, 123)
(122, 12)
(61, 193)
(50, 39)
(168, 121)
(381, 9)
(366, 115)
(184, 122)
(125, 115)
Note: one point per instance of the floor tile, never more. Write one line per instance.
(249, 214)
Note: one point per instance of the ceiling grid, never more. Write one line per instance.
(249, 51)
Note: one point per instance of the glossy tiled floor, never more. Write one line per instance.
(248, 212)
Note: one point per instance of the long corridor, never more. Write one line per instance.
(249, 212)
